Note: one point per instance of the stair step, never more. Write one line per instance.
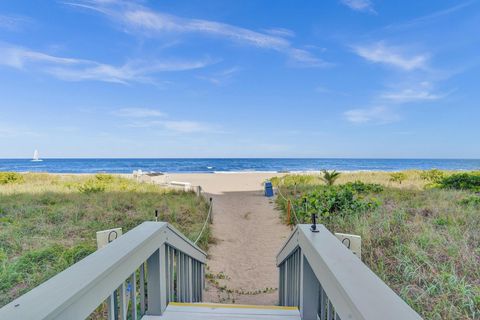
(218, 311)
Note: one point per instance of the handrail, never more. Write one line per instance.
(330, 281)
(77, 291)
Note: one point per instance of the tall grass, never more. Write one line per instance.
(423, 242)
(48, 222)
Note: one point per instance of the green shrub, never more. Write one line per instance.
(361, 187)
(471, 201)
(92, 186)
(432, 176)
(331, 201)
(106, 178)
(10, 177)
(462, 181)
(398, 177)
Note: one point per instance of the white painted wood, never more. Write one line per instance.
(104, 237)
(353, 289)
(352, 242)
(223, 312)
(78, 290)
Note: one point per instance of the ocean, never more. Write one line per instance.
(210, 165)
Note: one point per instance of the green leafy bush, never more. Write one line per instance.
(471, 201)
(361, 187)
(331, 201)
(92, 186)
(398, 177)
(10, 177)
(462, 181)
(106, 178)
(432, 176)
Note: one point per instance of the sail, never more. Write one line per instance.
(36, 156)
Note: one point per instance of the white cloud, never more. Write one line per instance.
(138, 113)
(72, 69)
(281, 32)
(221, 77)
(175, 126)
(378, 114)
(410, 95)
(393, 56)
(9, 131)
(421, 91)
(12, 22)
(359, 5)
(137, 18)
(186, 126)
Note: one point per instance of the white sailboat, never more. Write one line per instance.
(36, 156)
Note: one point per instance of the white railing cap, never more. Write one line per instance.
(355, 291)
(79, 289)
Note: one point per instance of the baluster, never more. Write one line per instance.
(179, 276)
(172, 274)
(167, 271)
(202, 275)
(122, 301)
(142, 289)
(194, 281)
(153, 284)
(323, 307)
(190, 279)
(111, 307)
(330, 310)
(133, 294)
(281, 285)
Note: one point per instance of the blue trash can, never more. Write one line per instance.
(268, 189)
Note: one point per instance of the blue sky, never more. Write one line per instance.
(333, 78)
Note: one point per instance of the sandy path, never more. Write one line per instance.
(248, 235)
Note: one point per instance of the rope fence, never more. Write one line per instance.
(288, 202)
(207, 220)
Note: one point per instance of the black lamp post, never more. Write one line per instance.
(313, 228)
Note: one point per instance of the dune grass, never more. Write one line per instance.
(48, 222)
(423, 242)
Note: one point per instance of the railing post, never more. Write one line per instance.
(156, 282)
(309, 291)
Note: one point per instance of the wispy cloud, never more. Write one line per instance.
(137, 18)
(359, 5)
(412, 92)
(392, 56)
(12, 131)
(379, 115)
(185, 126)
(73, 69)
(281, 32)
(410, 95)
(138, 113)
(430, 17)
(13, 22)
(174, 126)
(221, 77)
(153, 118)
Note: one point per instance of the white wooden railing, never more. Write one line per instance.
(137, 274)
(327, 281)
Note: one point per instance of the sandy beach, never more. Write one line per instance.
(247, 233)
